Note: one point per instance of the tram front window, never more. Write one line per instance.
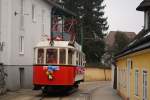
(51, 56)
(62, 56)
(40, 56)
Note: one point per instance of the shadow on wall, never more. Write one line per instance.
(97, 74)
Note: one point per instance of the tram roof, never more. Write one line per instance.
(62, 44)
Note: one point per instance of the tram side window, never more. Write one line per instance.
(77, 58)
(62, 56)
(80, 59)
(40, 56)
(70, 53)
(51, 56)
(84, 60)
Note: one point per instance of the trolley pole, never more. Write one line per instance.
(81, 36)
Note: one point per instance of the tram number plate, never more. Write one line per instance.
(51, 68)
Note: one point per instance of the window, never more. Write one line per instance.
(21, 45)
(118, 77)
(83, 60)
(70, 53)
(129, 67)
(145, 85)
(136, 82)
(62, 56)
(51, 56)
(40, 59)
(80, 59)
(76, 58)
(147, 20)
(33, 13)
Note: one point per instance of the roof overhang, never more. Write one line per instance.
(59, 9)
(138, 48)
(57, 44)
(144, 5)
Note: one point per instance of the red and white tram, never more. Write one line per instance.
(58, 66)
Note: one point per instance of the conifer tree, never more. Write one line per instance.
(94, 24)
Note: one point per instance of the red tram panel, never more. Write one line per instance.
(65, 75)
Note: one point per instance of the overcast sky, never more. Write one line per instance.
(122, 15)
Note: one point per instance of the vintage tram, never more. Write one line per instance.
(58, 66)
(59, 60)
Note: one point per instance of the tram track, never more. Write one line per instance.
(74, 94)
(86, 91)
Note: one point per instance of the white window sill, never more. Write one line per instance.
(136, 97)
(21, 53)
(33, 21)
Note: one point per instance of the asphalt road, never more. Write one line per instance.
(100, 90)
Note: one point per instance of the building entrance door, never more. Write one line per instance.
(21, 71)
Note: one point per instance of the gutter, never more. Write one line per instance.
(139, 48)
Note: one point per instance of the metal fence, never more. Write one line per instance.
(2, 80)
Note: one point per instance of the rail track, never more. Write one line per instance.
(80, 94)
(86, 91)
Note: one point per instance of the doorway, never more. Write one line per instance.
(21, 72)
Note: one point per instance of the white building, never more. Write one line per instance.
(22, 22)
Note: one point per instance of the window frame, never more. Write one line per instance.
(143, 95)
(136, 82)
(72, 53)
(59, 54)
(38, 55)
(21, 45)
(55, 55)
(33, 11)
(75, 52)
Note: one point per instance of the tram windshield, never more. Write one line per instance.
(59, 56)
(40, 59)
(62, 59)
(51, 56)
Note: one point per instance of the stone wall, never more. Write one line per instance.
(97, 74)
(2, 80)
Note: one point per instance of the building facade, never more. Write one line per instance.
(133, 65)
(22, 22)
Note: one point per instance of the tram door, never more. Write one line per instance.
(21, 72)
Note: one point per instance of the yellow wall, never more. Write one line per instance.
(122, 76)
(140, 61)
(97, 74)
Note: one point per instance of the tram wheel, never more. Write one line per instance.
(45, 90)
